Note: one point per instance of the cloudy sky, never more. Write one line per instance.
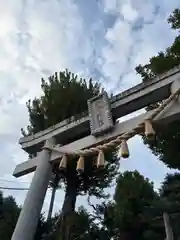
(104, 39)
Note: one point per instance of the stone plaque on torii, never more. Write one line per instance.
(106, 132)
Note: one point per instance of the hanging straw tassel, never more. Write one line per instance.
(80, 165)
(149, 131)
(63, 163)
(100, 159)
(124, 149)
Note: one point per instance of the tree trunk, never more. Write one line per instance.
(51, 203)
(68, 209)
(126, 236)
(70, 198)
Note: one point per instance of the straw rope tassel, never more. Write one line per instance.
(124, 149)
(80, 165)
(100, 159)
(149, 131)
(63, 163)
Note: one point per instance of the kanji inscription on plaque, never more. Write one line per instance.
(100, 114)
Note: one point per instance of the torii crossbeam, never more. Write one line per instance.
(103, 127)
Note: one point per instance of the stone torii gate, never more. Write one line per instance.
(93, 134)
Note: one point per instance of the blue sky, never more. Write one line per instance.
(104, 39)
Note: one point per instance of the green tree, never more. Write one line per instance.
(84, 227)
(43, 227)
(166, 143)
(65, 96)
(170, 188)
(174, 19)
(135, 213)
(130, 215)
(9, 215)
(170, 192)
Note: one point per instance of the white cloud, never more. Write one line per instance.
(120, 41)
(137, 34)
(129, 13)
(39, 38)
(56, 32)
(130, 9)
(110, 6)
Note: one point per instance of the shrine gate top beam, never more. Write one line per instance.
(171, 114)
(122, 104)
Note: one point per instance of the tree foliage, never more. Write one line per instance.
(170, 188)
(166, 144)
(64, 96)
(130, 215)
(84, 227)
(174, 19)
(136, 213)
(9, 212)
(169, 191)
(134, 195)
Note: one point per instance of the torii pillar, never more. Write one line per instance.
(31, 210)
